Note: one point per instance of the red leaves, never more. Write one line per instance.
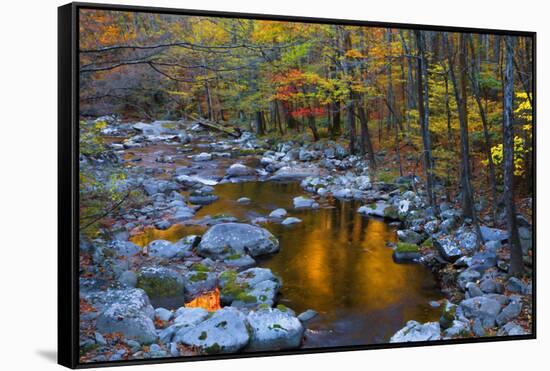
(306, 112)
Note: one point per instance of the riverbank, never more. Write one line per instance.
(170, 170)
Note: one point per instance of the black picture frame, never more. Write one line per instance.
(68, 180)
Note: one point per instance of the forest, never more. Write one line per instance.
(413, 146)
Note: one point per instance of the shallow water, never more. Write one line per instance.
(335, 262)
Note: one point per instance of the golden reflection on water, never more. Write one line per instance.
(335, 262)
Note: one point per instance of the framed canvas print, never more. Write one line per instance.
(237, 185)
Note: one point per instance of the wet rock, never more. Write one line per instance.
(431, 227)
(448, 314)
(250, 288)
(295, 172)
(225, 239)
(509, 312)
(473, 290)
(128, 279)
(482, 261)
(160, 282)
(448, 248)
(466, 276)
(199, 281)
(415, 331)
(153, 186)
(239, 170)
(163, 314)
(515, 285)
(244, 200)
(468, 241)
(304, 202)
(202, 157)
(224, 332)
(409, 236)
(483, 308)
(124, 248)
(448, 225)
(493, 234)
(273, 329)
(162, 249)
(307, 315)
(240, 262)
(511, 329)
(202, 199)
(343, 194)
(278, 213)
(456, 330)
(126, 311)
(291, 220)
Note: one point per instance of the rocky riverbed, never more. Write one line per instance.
(190, 270)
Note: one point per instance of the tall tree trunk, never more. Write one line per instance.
(313, 127)
(461, 96)
(516, 255)
(351, 126)
(259, 123)
(474, 78)
(424, 113)
(336, 125)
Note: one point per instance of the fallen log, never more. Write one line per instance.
(232, 131)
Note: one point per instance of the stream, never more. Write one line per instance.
(335, 261)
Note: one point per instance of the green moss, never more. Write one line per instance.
(282, 308)
(222, 324)
(221, 216)
(213, 349)
(158, 287)
(246, 298)
(198, 267)
(372, 206)
(276, 326)
(428, 243)
(404, 247)
(229, 275)
(88, 348)
(263, 306)
(263, 298)
(199, 276)
(386, 176)
(203, 335)
(234, 256)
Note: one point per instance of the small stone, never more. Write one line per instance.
(100, 339)
(243, 200)
(307, 315)
(291, 220)
(278, 213)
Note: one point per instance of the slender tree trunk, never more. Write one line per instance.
(366, 142)
(423, 110)
(313, 127)
(474, 78)
(259, 123)
(461, 96)
(516, 255)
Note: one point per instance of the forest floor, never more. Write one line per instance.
(162, 275)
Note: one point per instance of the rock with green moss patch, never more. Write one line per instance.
(249, 288)
(225, 332)
(406, 252)
(160, 282)
(199, 281)
(273, 329)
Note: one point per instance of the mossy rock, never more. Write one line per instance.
(160, 282)
(407, 247)
(390, 212)
(198, 276)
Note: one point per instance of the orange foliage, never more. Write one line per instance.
(209, 300)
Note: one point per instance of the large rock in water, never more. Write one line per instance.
(226, 239)
(250, 288)
(224, 332)
(415, 331)
(237, 170)
(125, 311)
(448, 248)
(293, 173)
(274, 329)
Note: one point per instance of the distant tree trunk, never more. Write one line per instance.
(336, 125)
(351, 126)
(474, 78)
(424, 113)
(516, 255)
(259, 123)
(313, 127)
(366, 142)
